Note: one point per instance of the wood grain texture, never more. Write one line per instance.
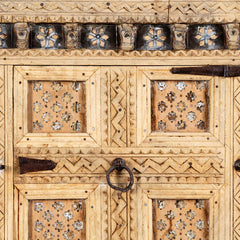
(2, 151)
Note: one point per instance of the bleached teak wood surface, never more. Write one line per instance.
(189, 166)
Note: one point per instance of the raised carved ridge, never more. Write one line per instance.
(2, 152)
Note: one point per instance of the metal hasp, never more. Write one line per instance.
(209, 70)
(237, 165)
(119, 164)
(35, 165)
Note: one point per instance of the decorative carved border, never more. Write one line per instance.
(2, 150)
(120, 11)
(96, 202)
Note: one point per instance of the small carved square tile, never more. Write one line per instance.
(47, 36)
(206, 36)
(99, 37)
(56, 107)
(180, 106)
(6, 36)
(57, 219)
(180, 219)
(153, 37)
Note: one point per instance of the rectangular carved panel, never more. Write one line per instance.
(180, 106)
(56, 106)
(180, 219)
(57, 219)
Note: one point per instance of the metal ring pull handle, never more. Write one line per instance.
(119, 164)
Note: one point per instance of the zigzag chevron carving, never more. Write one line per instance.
(164, 165)
(204, 11)
(118, 107)
(236, 156)
(119, 215)
(2, 149)
(120, 11)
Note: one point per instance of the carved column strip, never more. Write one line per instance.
(119, 215)
(118, 107)
(2, 151)
(236, 185)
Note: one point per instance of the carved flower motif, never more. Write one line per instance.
(199, 204)
(78, 225)
(69, 235)
(56, 107)
(38, 226)
(190, 215)
(181, 85)
(170, 215)
(181, 225)
(37, 126)
(155, 38)
(162, 106)
(77, 205)
(58, 225)
(37, 86)
(181, 125)
(171, 235)
(57, 86)
(191, 234)
(58, 205)
(172, 116)
(170, 96)
(162, 126)
(76, 86)
(181, 106)
(76, 107)
(200, 224)
(38, 206)
(98, 37)
(56, 125)
(67, 97)
(180, 204)
(206, 35)
(47, 36)
(191, 116)
(46, 97)
(161, 204)
(68, 215)
(200, 106)
(162, 86)
(46, 117)
(76, 126)
(201, 84)
(66, 117)
(201, 125)
(191, 96)
(37, 107)
(161, 225)
(48, 235)
(3, 37)
(48, 215)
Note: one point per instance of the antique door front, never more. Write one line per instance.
(173, 131)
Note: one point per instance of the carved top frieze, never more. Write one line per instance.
(125, 11)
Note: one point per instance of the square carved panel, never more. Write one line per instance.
(180, 106)
(181, 219)
(56, 106)
(57, 219)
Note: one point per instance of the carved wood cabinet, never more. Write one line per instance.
(83, 84)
